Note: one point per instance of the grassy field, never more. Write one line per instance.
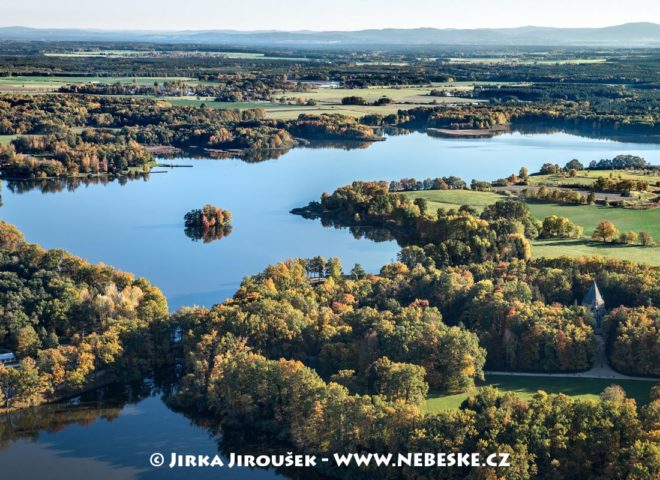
(455, 198)
(273, 110)
(37, 84)
(587, 216)
(99, 53)
(329, 99)
(419, 94)
(525, 387)
(5, 139)
(579, 248)
(588, 177)
(209, 102)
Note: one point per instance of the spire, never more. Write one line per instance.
(593, 298)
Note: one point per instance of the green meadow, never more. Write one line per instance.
(588, 177)
(455, 198)
(526, 386)
(588, 216)
(5, 139)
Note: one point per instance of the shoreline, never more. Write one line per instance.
(468, 133)
(102, 379)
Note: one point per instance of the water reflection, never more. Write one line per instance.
(255, 156)
(375, 234)
(55, 185)
(111, 432)
(585, 130)
(207, 235)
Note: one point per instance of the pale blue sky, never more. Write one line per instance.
(322, 15)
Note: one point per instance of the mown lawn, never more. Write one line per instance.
(584, 247)
(587, 216)
(526, 386)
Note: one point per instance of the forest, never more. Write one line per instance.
(224, 88)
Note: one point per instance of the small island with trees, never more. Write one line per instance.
(208, 223)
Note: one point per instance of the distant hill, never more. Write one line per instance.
(626, 35)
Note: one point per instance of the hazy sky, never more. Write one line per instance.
(322, 15)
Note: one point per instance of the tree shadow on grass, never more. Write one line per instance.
(583, 242)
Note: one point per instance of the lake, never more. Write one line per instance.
(110, 434)
(137, 226)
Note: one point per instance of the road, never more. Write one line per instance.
(601, 369)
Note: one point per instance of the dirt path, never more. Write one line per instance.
(601, 369)
(612, 197)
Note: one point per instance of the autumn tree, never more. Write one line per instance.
(646, 239)
(605, 231)
(560, 227)
(27, 341)
(397, 381)
(26, 382)
(629, 238)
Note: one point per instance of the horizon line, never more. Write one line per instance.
(93, 29)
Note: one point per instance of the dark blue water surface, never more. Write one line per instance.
(138, 226)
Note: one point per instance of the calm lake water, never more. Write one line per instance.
(110, 434)
(138, 227)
